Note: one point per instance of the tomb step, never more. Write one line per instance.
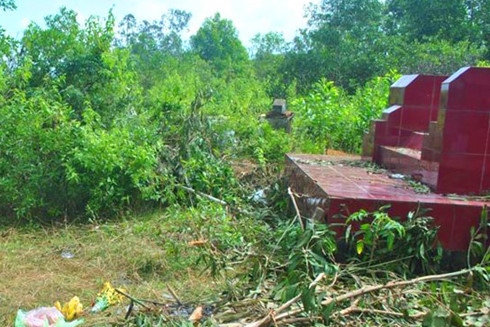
(408, 162)
(414, 140)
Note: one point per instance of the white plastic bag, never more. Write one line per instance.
(43, 317)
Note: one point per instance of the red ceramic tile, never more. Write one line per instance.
(460, 173)
(393, 111)
(413, 141)
(383, 190)
(466, 132)
(420, 91)
(485, 183)
(468, 89)
(416, 118)
(443, 215)
(379, 126)
(393, 132)
(401, 209)
(464, 218)
(374, 190)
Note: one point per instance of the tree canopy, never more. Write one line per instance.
(217, 42)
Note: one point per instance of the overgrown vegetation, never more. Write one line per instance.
(95, 122)
(147, 158)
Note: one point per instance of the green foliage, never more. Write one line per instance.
(350, 42)
(381, 230)
(328, 117)
(217, 42)
(479, 250)
(439, 57)
(410, 244)
(96, 122)
(63, 167)
(309, 253)
(440, 18)
(94, 129)
(268, 51)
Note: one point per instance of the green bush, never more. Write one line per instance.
(53, 165)
(329, 117)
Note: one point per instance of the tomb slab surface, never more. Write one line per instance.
(348, 184)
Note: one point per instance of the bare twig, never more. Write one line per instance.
(207, 196)
(211, 198)
(355, 309)
(133, 299)
(298, 215)
(130, 309)
(174, 295)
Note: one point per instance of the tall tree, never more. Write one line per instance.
(162, 35)
(268, 52)
(419, 19)
(217, 42)
(343, 42)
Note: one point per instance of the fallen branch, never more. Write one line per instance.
(210, 198)
(354, 309)
(174, 295)
(270, 316)
(359, 292)
(207, 196)
(133, 299)
(393, 284)
(298, 215)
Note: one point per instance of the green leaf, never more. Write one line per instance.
(359, 247)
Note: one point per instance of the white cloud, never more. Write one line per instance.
(25, 22)
(81, 18)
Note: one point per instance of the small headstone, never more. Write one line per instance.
(279, 106)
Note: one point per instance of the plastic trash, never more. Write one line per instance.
(65, 254)
(397, 176)
(107, 296)
(39, 317)
(43, 317)
(71, 310)
(259, 196)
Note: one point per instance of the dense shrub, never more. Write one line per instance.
(329, 117)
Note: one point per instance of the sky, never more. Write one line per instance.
(249, 16)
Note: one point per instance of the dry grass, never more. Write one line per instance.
(135, 254)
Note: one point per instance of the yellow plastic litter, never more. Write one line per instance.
(106, 297)
(110, 294)
(72, 309)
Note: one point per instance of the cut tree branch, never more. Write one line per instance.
(298, 215)
(270, 317)
(356, 293)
